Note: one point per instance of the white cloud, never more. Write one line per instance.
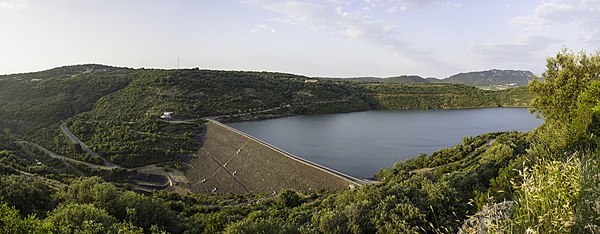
(14, 4)
(345, 18)
(520, 50)
(308, 14)
(259, 27)
(550, 25)
(262, 27)
(550, 16)
(393, 6)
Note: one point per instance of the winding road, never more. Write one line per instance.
(84, 147)
(67, 159)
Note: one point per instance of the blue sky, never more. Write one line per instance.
(339, 38)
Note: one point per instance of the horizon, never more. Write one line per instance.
(321, 77)
(333, 38)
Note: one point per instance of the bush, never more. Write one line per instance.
(80, 218)
(587, 209)
(545, 200)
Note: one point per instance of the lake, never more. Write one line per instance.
(360, 143)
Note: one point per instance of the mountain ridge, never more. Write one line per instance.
(492, 77)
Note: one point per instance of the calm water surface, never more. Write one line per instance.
(361, 143)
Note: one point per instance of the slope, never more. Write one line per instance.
(232, 162)
(491, 77)
(125, 127)
(32, 101)
(445, 96)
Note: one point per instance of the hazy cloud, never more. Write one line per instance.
(312, 15)
(522, 50)
(553, 14)
(14, 4)
(262, 27)
(552, 23)
(393, 6)
(348, 18)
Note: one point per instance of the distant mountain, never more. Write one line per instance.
(491, 77)
(403, 79)
(412, 79)
(362, 79)
(433, 80)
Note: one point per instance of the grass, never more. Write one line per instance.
(587, 210)
(557, 196)
(545, 201)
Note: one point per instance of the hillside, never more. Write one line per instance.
(192, 94)
(116, 110)
(445, 96)
(549, 176)
(132, 113)
(31, 101)
(491, 77)
(405, 79)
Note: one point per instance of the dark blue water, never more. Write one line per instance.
(360, 143)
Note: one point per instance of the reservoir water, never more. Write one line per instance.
(360, 143)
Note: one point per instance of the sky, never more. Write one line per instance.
(327, 38)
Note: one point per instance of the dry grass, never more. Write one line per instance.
(546, 199)
(587, 211)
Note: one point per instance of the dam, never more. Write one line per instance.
(231, 161)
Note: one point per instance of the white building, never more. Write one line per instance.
(167, 115)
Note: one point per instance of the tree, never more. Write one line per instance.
(91, 190)
(11, 221)
(566, 78)
(565, 96)
(80, 218)
(30, 196)
(260, 226)
(289, 198)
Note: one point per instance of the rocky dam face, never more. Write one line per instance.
(230, 161)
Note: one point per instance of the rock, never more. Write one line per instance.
(489, 215)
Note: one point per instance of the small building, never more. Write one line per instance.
(167, 115)
(312, 81)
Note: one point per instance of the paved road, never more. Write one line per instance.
(84, 147)
(67, 159)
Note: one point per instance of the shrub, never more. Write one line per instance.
(546, 198)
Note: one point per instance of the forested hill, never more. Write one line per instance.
(491, 77)
(403, 79)
(544, 181)
(116, 110)
(31, 101)
(488, 78)
(445, 96)
(34, 100)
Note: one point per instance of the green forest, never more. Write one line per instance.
(445, 96)
(115, 110)
(550, 174)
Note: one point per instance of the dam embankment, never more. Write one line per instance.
(231, 161)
